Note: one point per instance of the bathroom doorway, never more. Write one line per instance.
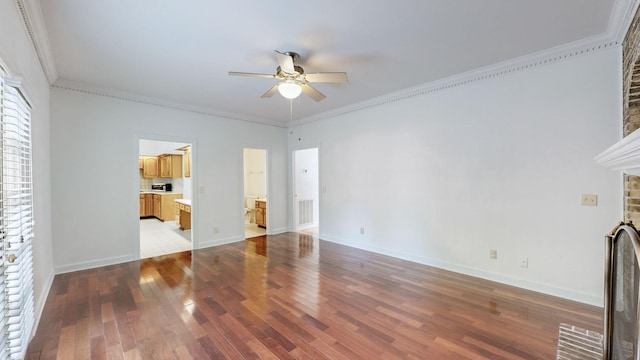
(306, 195)
(256, 219)
(166, 190)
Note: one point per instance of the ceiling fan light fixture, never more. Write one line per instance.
(289, 90)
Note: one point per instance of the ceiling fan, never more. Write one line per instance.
(293, 79)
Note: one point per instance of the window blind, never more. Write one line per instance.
(16, 222)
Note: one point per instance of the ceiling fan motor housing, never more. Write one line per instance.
(298, 69)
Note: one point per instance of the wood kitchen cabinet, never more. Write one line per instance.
(158, 205)
(186, 164)
(261, 213)
(187, 161)
(183, 220)
(146, 205)
(170, 166)
(143, 205)
(168, 212)
(150, 167)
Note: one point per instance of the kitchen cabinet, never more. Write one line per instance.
(168, 212)
(170, 166)
(150, 167)
(186, 164)
(146, 205)
(187, 161)
(158, 205)
(261, 213)
(183, 220)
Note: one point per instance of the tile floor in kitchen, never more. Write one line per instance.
(160, 238)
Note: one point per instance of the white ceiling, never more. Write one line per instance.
(181, 51)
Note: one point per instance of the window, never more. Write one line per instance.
(16, 221)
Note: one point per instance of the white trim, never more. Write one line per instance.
(195, 223)
(587, 298)
(293, 227)
(280, 230)
(544, 57)
(267, 179)
(35, 27)
(148, 100)
(85, 265)
(40, 303)
(622, 15)
(217, 242)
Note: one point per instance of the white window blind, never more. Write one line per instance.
(16, 223)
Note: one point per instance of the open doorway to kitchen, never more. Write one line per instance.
(165, 197)
(306, 198)
(255, 192)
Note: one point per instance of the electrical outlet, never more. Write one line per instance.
(524, 262)
(493, 254)
(361, 231)
(216, 230)
(589, 200)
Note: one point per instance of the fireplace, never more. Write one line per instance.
(622, 276)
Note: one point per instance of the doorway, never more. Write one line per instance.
(166, 190)
(306, 198)
(256, 220)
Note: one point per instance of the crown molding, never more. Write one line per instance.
(621, 17)
(137, 98)
(544, 57)
(33, 20)
(623, 12)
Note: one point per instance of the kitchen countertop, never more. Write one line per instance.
(183, 201)
(160, 192)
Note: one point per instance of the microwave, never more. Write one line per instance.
(161, 187)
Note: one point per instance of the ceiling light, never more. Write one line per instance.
(289, 90)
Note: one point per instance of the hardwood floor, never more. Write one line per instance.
(291, 296)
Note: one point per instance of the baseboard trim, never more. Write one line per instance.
(583, 297)
(279, 231)
(217, 242)
(41, 301)
(85, 265)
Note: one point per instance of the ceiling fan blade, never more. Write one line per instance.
(270, 92)
(327, 77)
(311, 92)
(286, 62)
(267, 76)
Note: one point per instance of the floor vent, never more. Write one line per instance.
(305, 211)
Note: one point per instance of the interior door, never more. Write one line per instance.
(306, 199)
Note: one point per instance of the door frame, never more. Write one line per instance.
(292, 192)
(194, 184)
(267, 178)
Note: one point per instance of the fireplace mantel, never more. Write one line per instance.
(623, 155)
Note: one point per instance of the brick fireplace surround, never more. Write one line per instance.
(631, 111)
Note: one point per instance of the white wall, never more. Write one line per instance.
(306, 180)
(18, 54)
(500, 163)
(96, 217)
(255, 172)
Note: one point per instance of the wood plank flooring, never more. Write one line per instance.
(292, 296)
